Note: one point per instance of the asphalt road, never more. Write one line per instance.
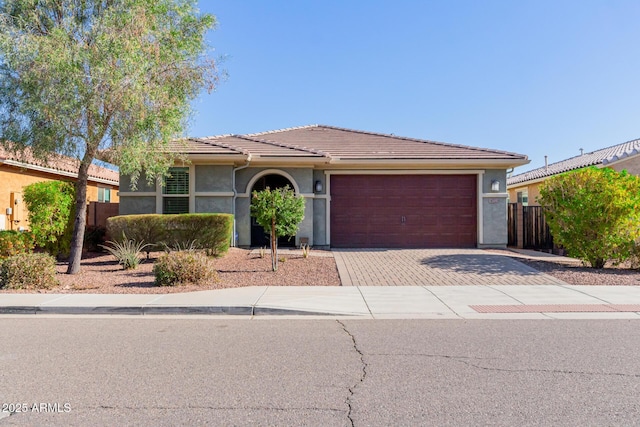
(176, 371)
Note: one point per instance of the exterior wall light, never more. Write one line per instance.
(495, 186)
(318, 186)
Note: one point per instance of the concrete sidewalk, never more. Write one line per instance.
(374, 302)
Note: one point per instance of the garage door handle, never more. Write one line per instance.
(404, 219)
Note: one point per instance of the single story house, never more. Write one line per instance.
(524, 187)
(362, 189)
(16, 172)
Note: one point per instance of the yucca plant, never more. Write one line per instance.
(127, 251)
(189, 246)
(305, 250)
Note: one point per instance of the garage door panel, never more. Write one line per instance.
(403, 210)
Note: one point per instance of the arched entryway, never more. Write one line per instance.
(259, 237)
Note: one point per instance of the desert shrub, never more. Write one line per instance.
(593, 213)
(15, 242)
(211, 232)
(51, 211)
(149, 228)
(126, 251)
(28, 271)
(179, 268)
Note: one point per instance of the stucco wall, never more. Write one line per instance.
(211, 178)
(494, 209)
(137, 205)
(303, 177)
(533, 191)
(319, 222)
(142, 186)
(631, 165)
(206, 204)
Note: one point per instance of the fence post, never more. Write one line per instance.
(520, 225)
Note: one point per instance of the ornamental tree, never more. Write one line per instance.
(280, 213)
(593, 213)
(83, 77)
(50, 205)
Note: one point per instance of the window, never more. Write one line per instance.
(175, 192)
(523, 197)
(104, 194)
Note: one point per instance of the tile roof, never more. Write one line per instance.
(334, 143)
(603, 156)
(66, 166)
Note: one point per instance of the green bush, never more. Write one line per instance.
(594, 213)
(51, 210)
(279, 212)
(28, 271)
(211, 232)
(148, 228)
(15, 242)
(183, 267)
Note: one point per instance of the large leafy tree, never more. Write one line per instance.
(81, 77)
(280, 213)
(594, 213)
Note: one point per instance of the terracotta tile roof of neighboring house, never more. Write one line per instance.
(598, 157)
(61, 165)
(333, 143)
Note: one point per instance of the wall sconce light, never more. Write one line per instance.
(495, 186)
(318, 186)
(16, 201)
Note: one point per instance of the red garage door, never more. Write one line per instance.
(403, 211)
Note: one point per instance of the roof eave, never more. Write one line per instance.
(59, 172)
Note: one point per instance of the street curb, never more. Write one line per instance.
(156, 310)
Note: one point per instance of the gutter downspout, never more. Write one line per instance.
(234, 242)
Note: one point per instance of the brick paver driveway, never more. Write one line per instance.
(434, 267)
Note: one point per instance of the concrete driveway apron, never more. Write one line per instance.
(434, 267)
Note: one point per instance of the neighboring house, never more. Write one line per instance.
(362, 189)
(18, 171)
(524, 187)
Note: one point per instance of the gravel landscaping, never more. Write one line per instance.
(240, 267)
(101, 274)
(574, 272)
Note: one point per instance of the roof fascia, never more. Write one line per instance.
(222, 158)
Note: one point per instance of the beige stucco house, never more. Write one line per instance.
(524, 187)
(16, 172)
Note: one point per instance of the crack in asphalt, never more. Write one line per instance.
(466, 360)
(363, 374)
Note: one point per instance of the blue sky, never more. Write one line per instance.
(533, 77)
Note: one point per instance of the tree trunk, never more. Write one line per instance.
(77, 238)
(274, 245)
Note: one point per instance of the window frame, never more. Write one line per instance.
(104, 190)
(179, 190)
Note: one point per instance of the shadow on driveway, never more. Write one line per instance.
(479, 264)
